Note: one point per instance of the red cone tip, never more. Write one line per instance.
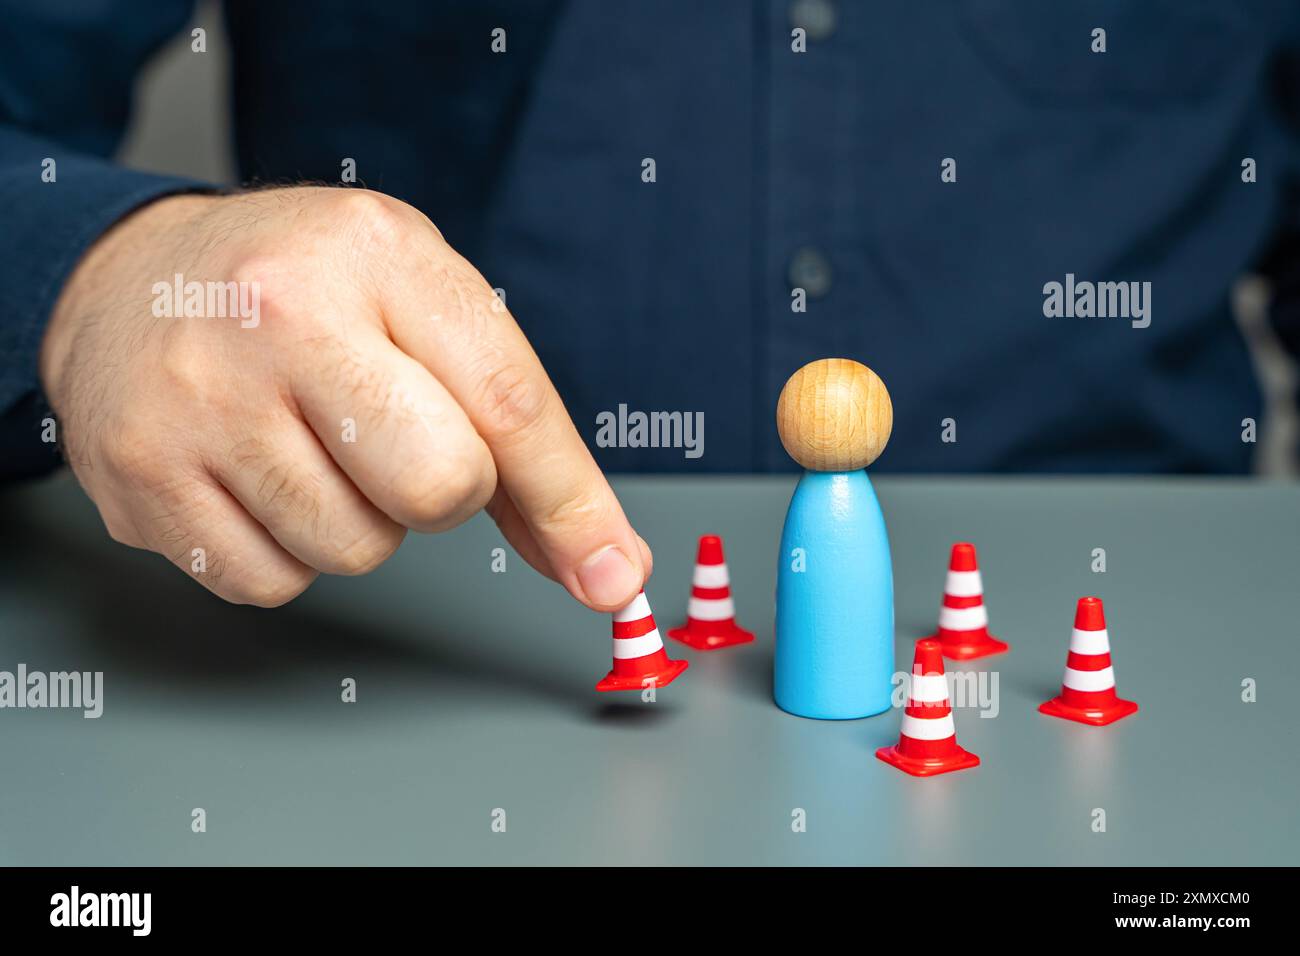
(710, 550)
(929, 657)
(963, 557)
(1089, 616)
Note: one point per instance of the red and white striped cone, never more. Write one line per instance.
(711, 613)
(927, 743)
(1088, 689)
(639, 657)
(963, 619)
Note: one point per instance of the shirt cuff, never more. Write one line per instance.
(51, 225)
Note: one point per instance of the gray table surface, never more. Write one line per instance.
(475, 692)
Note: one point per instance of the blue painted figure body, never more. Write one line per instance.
(834, 600)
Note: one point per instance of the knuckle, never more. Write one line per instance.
(271, 588)
(185, 370)
(362, 381)
(511, 401)
(378, 220)
(284, 492)
(133, 452)
(431, 496)
(274, 280)
(368, 551)
(260, 267)
(466, 302)
(581, 508)
(369, 388)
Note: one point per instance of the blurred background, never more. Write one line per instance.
(181, 125)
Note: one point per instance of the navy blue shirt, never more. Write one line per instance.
(773, 171)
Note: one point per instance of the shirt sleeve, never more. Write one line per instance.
(65, 85)
(1282, 264)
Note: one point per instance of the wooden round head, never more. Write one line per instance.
(834, 415)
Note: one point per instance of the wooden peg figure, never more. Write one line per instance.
(835, 582)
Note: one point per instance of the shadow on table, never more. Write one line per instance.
(633, 713)
(137, 616)
(754, 671)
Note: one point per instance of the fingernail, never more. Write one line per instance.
(609, 578)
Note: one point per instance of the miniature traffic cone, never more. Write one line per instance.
(711, 614)
(640, 660)
(1088, 689)
(927, 744)
(963, 620)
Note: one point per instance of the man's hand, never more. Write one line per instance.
(381, 385)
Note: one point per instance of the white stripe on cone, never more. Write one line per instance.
(710, 576)
(635, 611)
(963, 618)
(711, 609)
(1103, 679)
(1090, 642)
(626, 648)
(929, 689)
(964, 584)
(928, 728)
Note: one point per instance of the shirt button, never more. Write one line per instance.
(817, 17)
(810, 271)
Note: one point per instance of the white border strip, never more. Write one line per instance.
(1103, 679)
(964, 618)
(929, 688)
(1090, 642)
(922, 728)
(963, 584)
(626, 648)
(711, 609)
(710, 576)
(638, 609)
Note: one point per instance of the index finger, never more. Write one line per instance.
(443, 313)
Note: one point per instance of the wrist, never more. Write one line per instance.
(120, 253)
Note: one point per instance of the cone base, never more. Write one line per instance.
(1096, 716)
(711, 635)
(663, 677)
(928, 766)
(969, 650)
